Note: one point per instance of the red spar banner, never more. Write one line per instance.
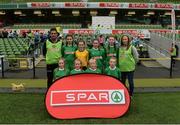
(109, 4)
(40, 4)
(138, 5)
(165, 6)
(81, 31)
(75, 4)
(124, 31)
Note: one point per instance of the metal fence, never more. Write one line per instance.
(31, 68)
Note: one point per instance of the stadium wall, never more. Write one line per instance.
(156, 54)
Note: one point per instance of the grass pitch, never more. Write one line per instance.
(138, 82)
(145, 108)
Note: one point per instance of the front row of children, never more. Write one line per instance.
(112, 70)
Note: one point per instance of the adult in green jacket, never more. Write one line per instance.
(127, 59)
(52, 51)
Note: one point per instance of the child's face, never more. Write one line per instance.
(92, 64)
(81, 46)
(61, 64)
(112, 63)
(69, 40)
(125, 40)
(111, 40)
(77, 65)
(95, 44)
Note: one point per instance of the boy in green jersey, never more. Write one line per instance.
(111, 50)
(77, 67)
(112, 70)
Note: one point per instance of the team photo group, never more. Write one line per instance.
(114, 57)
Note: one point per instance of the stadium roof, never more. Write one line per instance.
(89, 5)
(140, 1)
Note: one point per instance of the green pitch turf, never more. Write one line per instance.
(145, 108)
(138, 82)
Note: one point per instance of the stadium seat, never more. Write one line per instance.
(122, 26)
(46, 26)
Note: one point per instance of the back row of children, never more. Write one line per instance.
(98, 52)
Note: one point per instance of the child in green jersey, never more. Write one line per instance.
(111, 50)
(68, 51)
(97, 53)
(61, 70)
(92, 67)
(112, 70)
(77, 67)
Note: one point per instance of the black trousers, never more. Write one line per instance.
(130, 76)
(50, 70)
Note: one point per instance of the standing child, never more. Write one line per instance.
(77, 67)
(68, 51)
(112, 70)
(111, 50)
(82, 54)
(97, 53)
(61, 70)
(93, 67)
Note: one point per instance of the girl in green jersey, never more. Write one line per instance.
(77, 67)
(97, 53)
(61, 70)
(92, 67)
(68, 52)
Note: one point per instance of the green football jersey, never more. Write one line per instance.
(69, 55)
(89, 70)
(97, 53)
(113, 72)
(58, 73)
(74, 71)
(110, 52)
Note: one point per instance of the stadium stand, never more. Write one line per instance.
(13, 47)
(45, 26)
(141, 26)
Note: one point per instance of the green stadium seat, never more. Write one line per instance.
(3, 53)
(11, 56)
(17, 53)
(10, 53)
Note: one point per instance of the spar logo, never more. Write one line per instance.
(117, 96)
(86, 97)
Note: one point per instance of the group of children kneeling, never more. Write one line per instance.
(111, 70)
